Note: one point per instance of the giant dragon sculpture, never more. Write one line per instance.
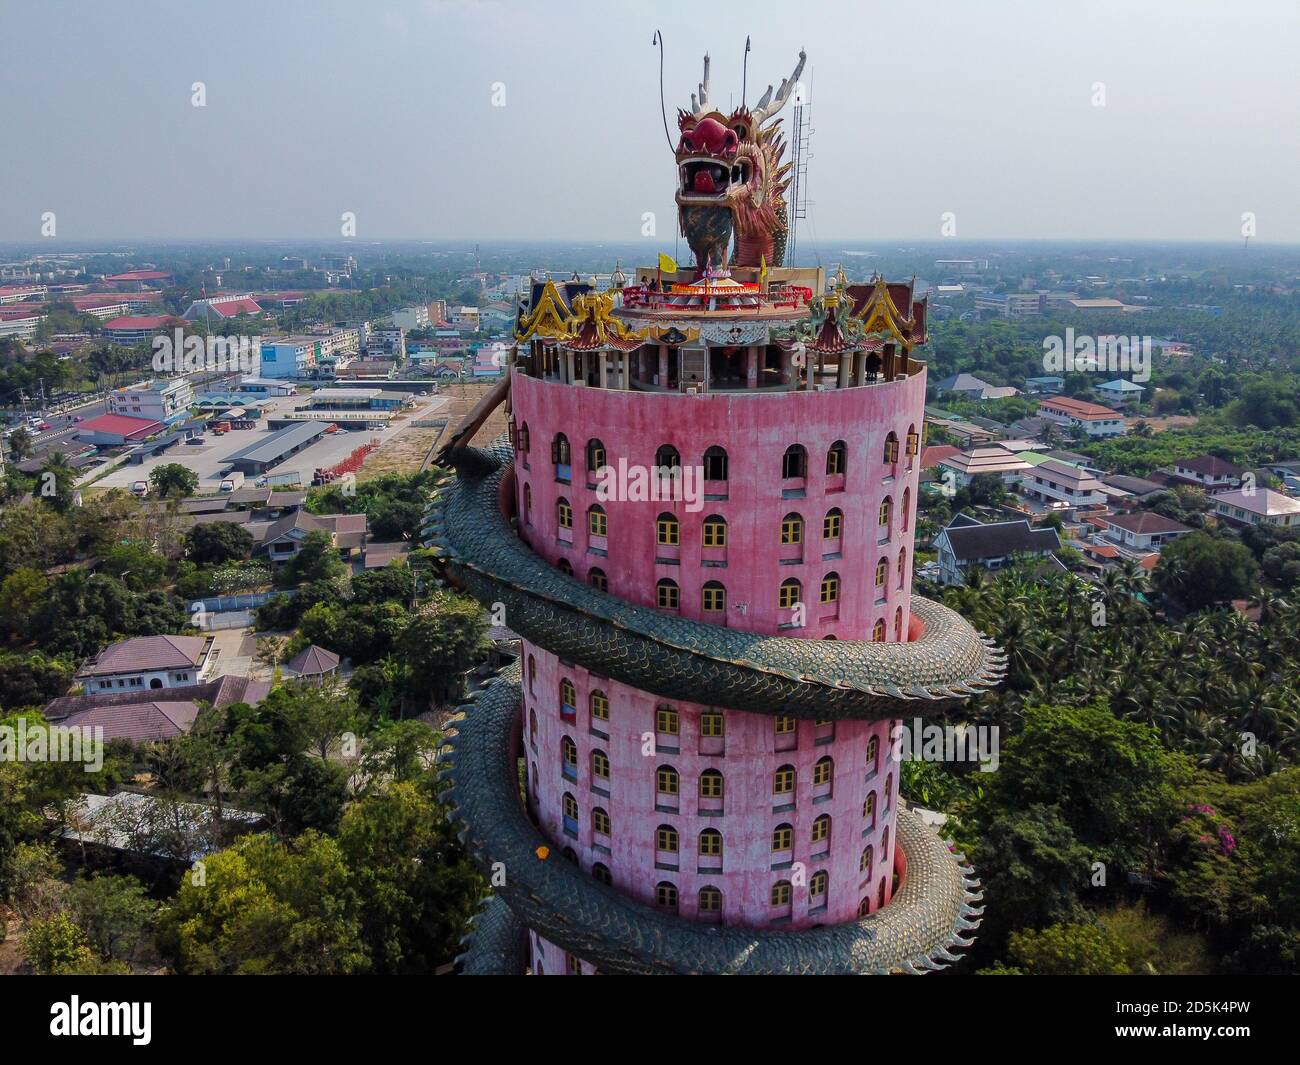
(731, 181)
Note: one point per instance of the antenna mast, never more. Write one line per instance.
(801, 135)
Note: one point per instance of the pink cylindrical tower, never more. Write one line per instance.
(772, 494)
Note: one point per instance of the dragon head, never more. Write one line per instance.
(731, 179)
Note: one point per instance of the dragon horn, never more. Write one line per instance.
(768, 105)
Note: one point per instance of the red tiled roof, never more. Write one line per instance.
(1078, 408)
(932, 456)
(122, 424)
(151, 321)
(230, 308)
(140, 275)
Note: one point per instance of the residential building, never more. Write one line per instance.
(993, 546)
(1092, 418)
(1143, 530)
(1036, 386)
(408, 318)
(16, 321)
(1010, 305)
(993, 459)
(147, 663)
(1207, 471)
(161, 400)
(294, 356)
(1054, 481)
(1124, 393)
(1262, 506)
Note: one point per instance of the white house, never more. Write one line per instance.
(148, 662)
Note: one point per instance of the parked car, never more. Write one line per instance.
(140, 488)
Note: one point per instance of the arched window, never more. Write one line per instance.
(666, 839)
(595, 455)
(714, 599)
(792, 529)
(886, 513)
(600, 765)
(667, 595)
(532, 727)
(869, 810)
(882, 572)
(597, 579)
(521, 438)
(600, 823)
(783, 837)
(715, 531)
(794, 463)
(710, 843)
(528, 504)
(561, 456)
(565, 567)
(783, 781)
(832, 524)
(904, 519)
(823, 771)
(836, 459)
(570, 806)
(569, 752)
(532, 674)
(667, 457)
(715, 464)
(873, 755)
(667, 532)
(913, 444)
(710, 903)
(568, 697)
(864, 907)
(817, 886)
(891, 448)
(866, 863)
(597, 522)
(884, 843)
(782, 891)
(898, 624)
(601, 874)
(889, 792)
(564, 513)
(666, 896)
(791, 593)
(784, 725)
(878, 631)
(901, 568)
(821, 829)
(599, 703)
(711, 785)
(830, 590)
(666, 780)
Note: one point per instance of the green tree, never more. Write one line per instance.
(1083, 949)
(317, 560)
(443, 640)
(114, 913)
(416, 887)
(20, 594)
(217, 542)
(173, 481)
(267, 907)
(20, 444)
(1200, 571)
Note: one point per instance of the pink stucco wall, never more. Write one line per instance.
(755, 429)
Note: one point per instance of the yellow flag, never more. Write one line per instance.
(667, 263)
(762, 268)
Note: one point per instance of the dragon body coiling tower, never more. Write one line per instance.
(701, 526)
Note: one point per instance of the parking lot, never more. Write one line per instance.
(212, 456)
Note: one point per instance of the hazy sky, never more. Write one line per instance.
(384, 108)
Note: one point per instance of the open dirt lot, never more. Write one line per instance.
(403, 452)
